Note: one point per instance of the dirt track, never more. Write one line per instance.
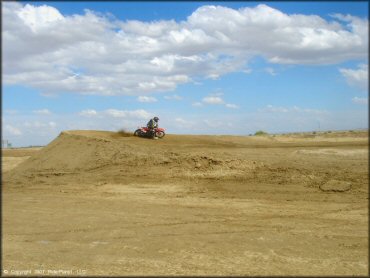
(98, 203)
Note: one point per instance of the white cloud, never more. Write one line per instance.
(11, 111)
(213, 100)
(173, 97)
(197, 104)
(217, 93)
(359, 100)
(42, 112)
(94, 54)
(357, 77)
(38, 124)
(146, 99)
(270, 71)
(247, 71)
(52, 124)
(232, 106)
(49, 95)
(106, 117)
(135, 114)
(180, 122)
(39, 18)
(295, 109)
(271, 108)
(12, 130)
(88, 113)
(213, 123)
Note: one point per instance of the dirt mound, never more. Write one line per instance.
(108, 155)
(216, 205)
(335, 186)
(103, 156)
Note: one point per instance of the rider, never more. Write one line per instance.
(152, 124)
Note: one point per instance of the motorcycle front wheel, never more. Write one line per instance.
(137, 132)
(160, 134)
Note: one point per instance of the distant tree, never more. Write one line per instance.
(261, 132)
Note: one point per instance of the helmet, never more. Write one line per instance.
(156, 119)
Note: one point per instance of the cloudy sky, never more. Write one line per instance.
(201, 67)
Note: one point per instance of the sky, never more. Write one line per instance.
(202, 67)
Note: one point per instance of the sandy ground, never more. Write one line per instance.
(99, 203)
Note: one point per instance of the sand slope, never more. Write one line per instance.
(115, 156)
(189, 205)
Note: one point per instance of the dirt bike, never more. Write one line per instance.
(145, 132)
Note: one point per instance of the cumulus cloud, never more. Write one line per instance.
(270, 71)
(213, 100)
(88, 113)
(42, 112)
(180, 122)
(136, 114)
(39, 124)
(215, 123)
(116, 113)
(357, 77)
(295, 109)
(173, 97)
(52, 124)
(271, 108)
(360, 100)
(49, 95)
(11, 130)
(232, 106)
(197, 104)
(92, 53)
(146, 99)
(11, 111)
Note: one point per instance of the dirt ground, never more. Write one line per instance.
(101, 203)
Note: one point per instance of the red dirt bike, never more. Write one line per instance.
(145, 132)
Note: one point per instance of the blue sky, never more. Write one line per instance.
(201, 67)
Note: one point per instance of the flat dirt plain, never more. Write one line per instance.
(104, 203)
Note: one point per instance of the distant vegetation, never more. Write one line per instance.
(261, 132)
